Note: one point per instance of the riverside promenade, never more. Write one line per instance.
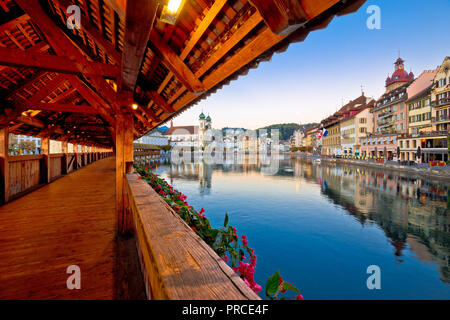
(423, 169)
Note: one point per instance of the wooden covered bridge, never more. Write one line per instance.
(95, 75)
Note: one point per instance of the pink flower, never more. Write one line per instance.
(225, 258)
(299, 297)
(245, 242)
(256, 288)
(139, 177)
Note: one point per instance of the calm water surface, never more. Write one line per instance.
(323, 225)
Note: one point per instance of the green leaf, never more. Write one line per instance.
(272, 283)
(287, 286)
(226, 220)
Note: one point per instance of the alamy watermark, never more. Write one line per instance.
(374, 20)
(235, 147)
(374, 280)
(74, 20)
(74, 280)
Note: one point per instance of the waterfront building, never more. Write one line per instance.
(440, 98)
(355, 126)
(390, 112)
(297, 139)
(379, 146)
(190, 136)
(423, 148)
(154, 137)
(419, 103)
(311, 140)
(332, 143)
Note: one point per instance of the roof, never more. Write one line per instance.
(70, 84)
(182, 130)
(422, 84)
(350, 109)
(399, 75)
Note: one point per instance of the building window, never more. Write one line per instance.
(443, 82)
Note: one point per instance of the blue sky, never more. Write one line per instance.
(311, 79)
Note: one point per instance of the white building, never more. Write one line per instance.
(298, 138)
(154, 138)
(189, 136)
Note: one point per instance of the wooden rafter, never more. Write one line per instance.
(139, 23)
(64, 47)
(175, 64)
(159, 101)
(93, 33)
(47, 62)
(58, 107)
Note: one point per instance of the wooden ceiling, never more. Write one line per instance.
(70, 84)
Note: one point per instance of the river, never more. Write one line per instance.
(323, 225)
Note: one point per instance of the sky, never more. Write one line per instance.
(311, 79)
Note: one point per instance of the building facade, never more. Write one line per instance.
(440, 98)
(189, 136)
(419, 103)
(424, 148)
(390, 113)
(341, 126)
(154, 138)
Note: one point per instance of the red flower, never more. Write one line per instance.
(193, 228)
(299, 297)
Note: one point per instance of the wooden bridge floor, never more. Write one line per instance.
(70, 221)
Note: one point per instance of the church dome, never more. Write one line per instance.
(208, 118)
(202, 116)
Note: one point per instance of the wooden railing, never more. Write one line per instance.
(25, 173)
(176, 263)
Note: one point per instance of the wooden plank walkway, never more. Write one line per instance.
(68, 222)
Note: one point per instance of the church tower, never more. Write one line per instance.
(202, 130)
(399, 77)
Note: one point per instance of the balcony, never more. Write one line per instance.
(385, 114)
(441, 119)
(441, 102)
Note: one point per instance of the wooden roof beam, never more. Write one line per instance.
(94, 100)
(175, 64)
(140, 15)
(87, 27)
(285, 16)
(63, 46)
(47, 89)
(18, 58)
(160, 102)
(201, 29)
(58, 107)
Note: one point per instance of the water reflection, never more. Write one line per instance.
(411, 211)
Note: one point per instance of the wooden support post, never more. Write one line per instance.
(124, 164)
(45, 168)
(75, 153)
(64, 159)
(4, 165)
